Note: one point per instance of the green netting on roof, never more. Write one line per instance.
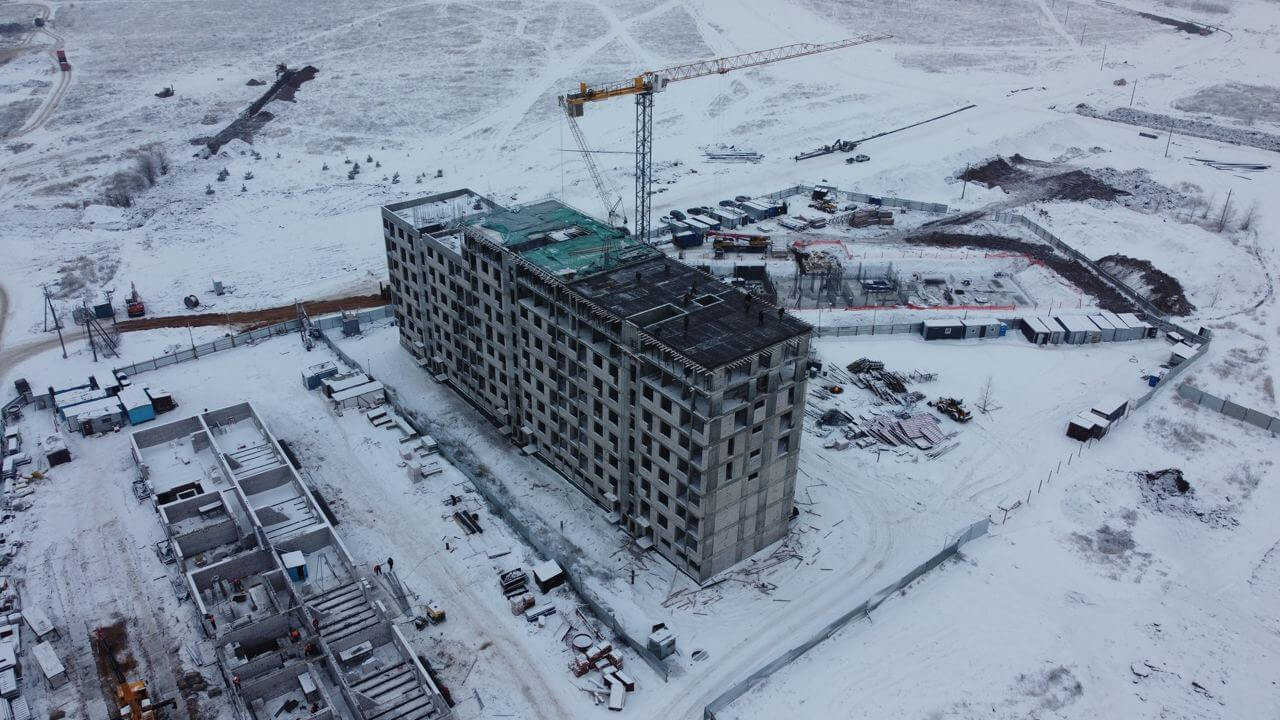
(557, 238)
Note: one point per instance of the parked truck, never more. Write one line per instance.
(62, 61)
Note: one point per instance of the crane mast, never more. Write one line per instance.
(644, 85)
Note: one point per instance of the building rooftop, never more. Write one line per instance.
(700, 318)
(563, 241)
(433, 211)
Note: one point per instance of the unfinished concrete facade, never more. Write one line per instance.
(297, 627)
(672, 400)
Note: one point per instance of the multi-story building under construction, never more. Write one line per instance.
(672, 400)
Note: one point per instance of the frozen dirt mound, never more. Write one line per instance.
(1169, 493)
(1159, 287)
(1185, 126)
(1041, 180)
(1108, 297)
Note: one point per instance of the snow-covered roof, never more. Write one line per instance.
(96, 409)
(1184, 350)
(1102, 322)
(943, 322)
(358, 391)
(1076, 323)
(340, 383)
(77, 397)
(134, 397)
(1132, 320)
(545, 571)
(1110, 404)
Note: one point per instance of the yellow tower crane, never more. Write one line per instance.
(644, 85)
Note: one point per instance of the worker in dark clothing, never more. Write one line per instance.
(377, 569)
(391, 563)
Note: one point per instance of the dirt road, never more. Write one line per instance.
(249, 319)
(64, 78)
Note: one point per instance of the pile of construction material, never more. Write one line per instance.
(889, 386)
(736, 156)
(902, 433)
(869, 216)
(612, 684)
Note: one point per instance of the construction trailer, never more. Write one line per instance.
(1077, 330)
(1124, 332)
(99, 416)
(1087, 426)
(55, 675)
(728, 217)
(137, 406)
(757, 210)
(1054, 328)
(978, 327)
(1182, 352)
(1106, 329)
(548, 575)
(65, 401)
(1036, 332)
(1141, 328)
(314, 375)
(943, 329)
(339, 383)
(1111, 408)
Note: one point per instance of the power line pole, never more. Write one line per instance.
(1134, 93)
(1222, 221)
(966, 180)
(1169, 142)
(84, 306)
(57, 324)
(1103, 64)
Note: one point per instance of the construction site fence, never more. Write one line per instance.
(1257, 418)
(250, 337)
(461, 456)
(1154, 315)
(862, 198)
(974, 531)
(885, 329)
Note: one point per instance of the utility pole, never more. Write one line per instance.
(1082, 27)
(1222, 221)
(1103, 64)
(1134, 93)
(1168, 142)
(57, 325)
(966, 180)
(88, 330)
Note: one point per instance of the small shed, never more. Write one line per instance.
(161, 400)
(758, 210)
(50, 666)
(38, 621)
(55, 450)
(1111, 408)
(701, 224)
(105, 382)
(1107, 331)
(942, 329)
(368, 395)
(295, 564)
(548, 575)
(728, 217)
(1086, 426)
(137, 406)
(1182, 352)
(19, 709)
(1077, 330)
(96, 417)
(662, 642)
(970, 329)
(315, 374)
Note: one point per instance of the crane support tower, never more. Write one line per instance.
(644, 85)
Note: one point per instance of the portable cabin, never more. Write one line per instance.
(548, 575)
(314, 375)
(1036, 332)
(19, 709)
(1124, 332)
(338, 383)
(161, 399)
(12, 442)
(295, 565)
(368, 395)
(137, 406)
(55, 450)
(1086, 426)
(1055, 330)
(64, 400)
(985, 327)
(55, 675)
(96, 417)
(1111, 408)
(759, 210)
(1142, 328)
(728, 217)
(105, 382)
(1077, 330)
(1107, 331)
(970, 330)
(942, 329)
(1182, 352)
(700, 224)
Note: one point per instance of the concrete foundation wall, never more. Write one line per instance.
(243, 565)
(161, 434)
(272, 478)
(206, 538)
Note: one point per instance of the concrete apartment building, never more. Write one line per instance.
(672, 400)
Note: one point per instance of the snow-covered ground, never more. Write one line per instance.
(1047, 618)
